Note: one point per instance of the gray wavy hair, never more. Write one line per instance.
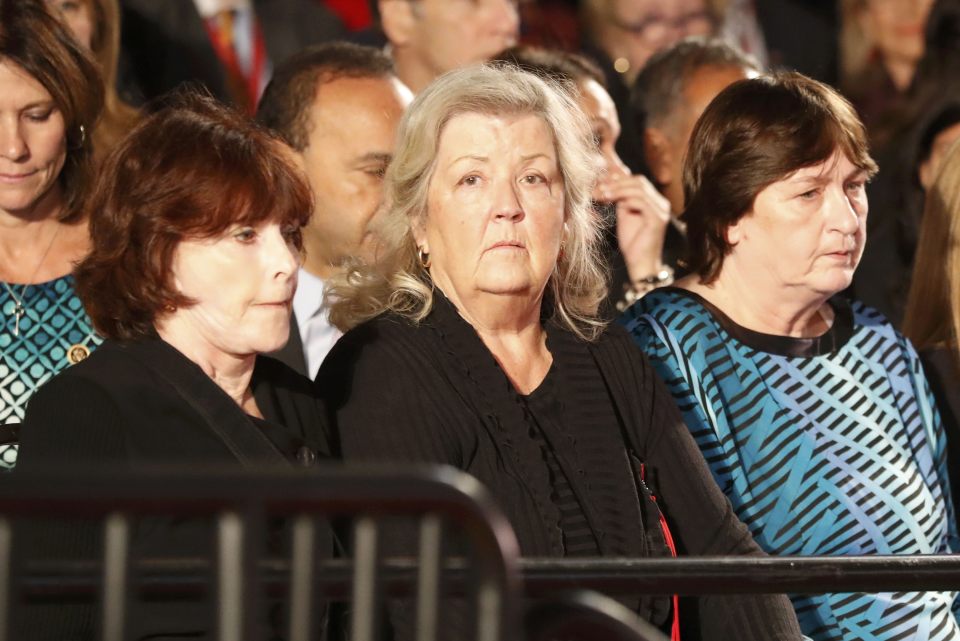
(398, 282)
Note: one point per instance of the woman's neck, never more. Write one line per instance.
(510, 328)
(768, 310)
(35, 246)
(230, 372)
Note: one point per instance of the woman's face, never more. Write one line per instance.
(897, 27)
(495, 207)
(805, 232)
(78, 18)
(33, 145)
(600, 110)
(243, 282)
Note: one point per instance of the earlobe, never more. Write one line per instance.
(396, 18)
(658, 154)
(734, 234)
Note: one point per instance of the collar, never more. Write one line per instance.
(210, 8)
(829, 342)
(308, 299)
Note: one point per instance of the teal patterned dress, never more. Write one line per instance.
(54, 332)
(825, 446)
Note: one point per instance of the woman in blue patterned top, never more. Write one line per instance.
(812, 411)
(51, 95)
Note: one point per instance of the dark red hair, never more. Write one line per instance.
(194, 169)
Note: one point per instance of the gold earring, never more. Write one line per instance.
(424, 257)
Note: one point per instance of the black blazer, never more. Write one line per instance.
(145, 404)
(292, 353)
(434, 393)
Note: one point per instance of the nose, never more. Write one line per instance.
(844, 212)
(13, 146)
(507, 205)
(612, 163)
(283, 258)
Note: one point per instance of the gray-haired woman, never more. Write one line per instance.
(476, 343)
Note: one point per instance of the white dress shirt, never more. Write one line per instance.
(316, 333)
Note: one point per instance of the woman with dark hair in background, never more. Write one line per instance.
(915, 137)
(909, 165)
(96, 25)
(812, 411)
(50, 99)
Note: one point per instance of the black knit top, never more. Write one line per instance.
(434, 393)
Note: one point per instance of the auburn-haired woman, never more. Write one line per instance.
(191, 275)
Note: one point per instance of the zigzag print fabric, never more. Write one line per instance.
(821, 451)
(54, 322)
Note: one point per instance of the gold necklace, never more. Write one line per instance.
(19, 309)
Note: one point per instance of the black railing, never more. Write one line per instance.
(434, 495)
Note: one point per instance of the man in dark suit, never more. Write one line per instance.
(229, 46)
(338, 107)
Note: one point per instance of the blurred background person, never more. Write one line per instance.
(812, 411)
(196, 245)
(913, 138)
(881, 43)
(51, 95)
(910, 163)
(337, 106)
(621, 35)
(430, 37)
(636, 213)
(228, 46)
(476, 343)
(932, 321)
(96, 25)
(668, 97)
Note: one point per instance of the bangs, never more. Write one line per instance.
(224, 178)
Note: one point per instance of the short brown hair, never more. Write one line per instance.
(39, 43)
(754, 133)
(194, 169)
(286, 101)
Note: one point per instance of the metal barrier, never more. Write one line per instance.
(436, 494)
(240, 504)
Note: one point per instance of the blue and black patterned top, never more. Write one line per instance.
(825, 446)
(53, 325)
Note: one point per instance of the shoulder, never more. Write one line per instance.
(876, 335)
(109, 364)
(669, 307)
(386, 338)
(377, 355)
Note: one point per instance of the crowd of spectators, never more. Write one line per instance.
(611, 257)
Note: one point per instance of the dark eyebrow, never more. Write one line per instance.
(41, 103)
(375, 156)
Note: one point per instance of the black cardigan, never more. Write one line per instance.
(144, 403)
(434, 393)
